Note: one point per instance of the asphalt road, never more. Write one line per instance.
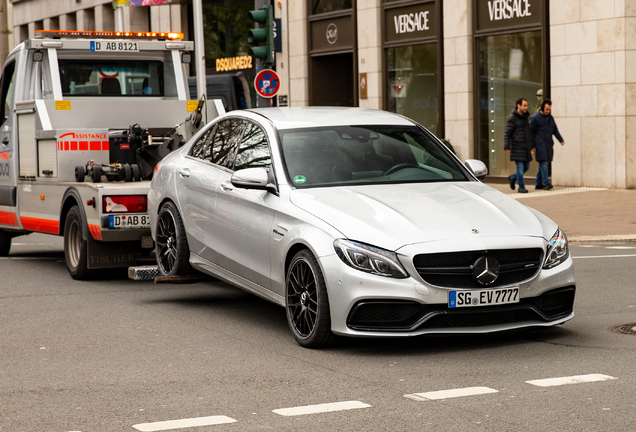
(120, 355)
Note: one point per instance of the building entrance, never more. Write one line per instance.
(332, 82)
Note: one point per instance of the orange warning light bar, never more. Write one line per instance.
(76, 34)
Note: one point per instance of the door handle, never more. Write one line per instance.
(227, 186)
(184, 172)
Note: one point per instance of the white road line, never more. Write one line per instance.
(446, 394)
(28, 258)
(605, 256)
(577, 379)
(321, 408)
(183, 423)
(620, 247)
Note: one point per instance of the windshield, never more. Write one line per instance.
(111, 78)
(340, 155)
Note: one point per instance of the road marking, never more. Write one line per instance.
(321, 408)
(183, 423)
(605, 256)
(446, 394)
(29, 258)
(577, 379)
(620, 247)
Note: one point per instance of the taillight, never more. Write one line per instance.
(125, 204)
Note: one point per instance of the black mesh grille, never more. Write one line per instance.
(454, 269)
(379, 315)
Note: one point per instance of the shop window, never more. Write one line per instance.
(412, 83)
(510, 67)
(324, 6)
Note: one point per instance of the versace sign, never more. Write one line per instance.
(410, 22)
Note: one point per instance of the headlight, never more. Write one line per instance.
(557, 250)
(369, 259)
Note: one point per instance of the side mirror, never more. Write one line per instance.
(251, 178)
(477, 167)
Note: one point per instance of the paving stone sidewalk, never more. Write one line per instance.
(585, 214)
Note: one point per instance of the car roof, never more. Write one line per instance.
(311, 117)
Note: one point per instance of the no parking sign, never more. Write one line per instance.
(267, 83)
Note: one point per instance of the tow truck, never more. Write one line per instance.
(86, 116)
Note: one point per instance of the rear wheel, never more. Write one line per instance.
(80, 173)
(307, 303)
(172, 249)
(97, 174)
(128, 173)
(136, 173)
(75, 247)
(5, 243)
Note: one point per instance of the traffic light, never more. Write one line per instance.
(262, 38)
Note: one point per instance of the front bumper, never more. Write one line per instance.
(362, 304)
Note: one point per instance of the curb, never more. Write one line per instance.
(604, 238)
(558, 191)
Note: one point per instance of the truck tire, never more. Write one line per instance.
(80, 173)
(171, 247)
(128, 173)
(5, 243)
(97, 174)
(136, 172)
(75, 246)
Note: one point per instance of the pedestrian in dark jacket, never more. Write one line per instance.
(542, 128)
(518, 142)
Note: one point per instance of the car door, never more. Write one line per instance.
(244, 217)
(196, 180)
(7, 150)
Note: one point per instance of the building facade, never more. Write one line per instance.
(455, 66)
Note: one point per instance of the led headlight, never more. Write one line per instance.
(369, 259)
(557, 250)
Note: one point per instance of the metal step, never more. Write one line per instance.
(147, 272)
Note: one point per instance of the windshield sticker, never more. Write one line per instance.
(300, 179)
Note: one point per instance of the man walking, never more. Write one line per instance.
(542, 127)
(518, 142)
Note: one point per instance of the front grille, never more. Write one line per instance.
(454, 269)
(391, 315)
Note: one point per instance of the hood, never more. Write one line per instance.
(392, 216)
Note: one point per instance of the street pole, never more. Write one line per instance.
(119, 18)
(199, 48)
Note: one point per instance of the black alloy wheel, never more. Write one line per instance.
(307, 304)
(172, 248)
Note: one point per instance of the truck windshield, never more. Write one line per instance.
(111, 78)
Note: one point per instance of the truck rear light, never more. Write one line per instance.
(125, 204)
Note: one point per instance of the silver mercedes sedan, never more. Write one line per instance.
(360, 223)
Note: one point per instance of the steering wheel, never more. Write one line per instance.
(399, 167)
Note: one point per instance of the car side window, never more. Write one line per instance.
(200, 148)
(226, 140)
(253, 151)
(7, 92)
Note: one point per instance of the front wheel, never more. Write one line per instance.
(75, 247)
(306, 302)
(5, 243)
(172, 249)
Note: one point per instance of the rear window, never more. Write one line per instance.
(111, 78)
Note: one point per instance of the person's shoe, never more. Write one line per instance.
(512, 182)
(548, 187)
(523, 190)
(539, 187)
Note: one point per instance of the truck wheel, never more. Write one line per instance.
(171, 246)
(128, 173)
(5, 243)
(75, 247)
(136, 172)
(97, 174)
(80, 173)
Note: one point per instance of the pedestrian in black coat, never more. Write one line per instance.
(518, 142)
(542, 128)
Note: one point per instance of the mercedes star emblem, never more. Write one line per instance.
(486, 270)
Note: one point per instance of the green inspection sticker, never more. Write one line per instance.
(300, 179)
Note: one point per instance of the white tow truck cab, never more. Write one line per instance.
(85, 117)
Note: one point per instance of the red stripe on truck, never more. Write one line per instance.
(8, 218)
(40, 225)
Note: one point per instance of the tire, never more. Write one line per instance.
(97, 174)
(5, 243)
(128, 173)
(80, 173)
(307, 303)
(171, 247)
(75, 246)
(136, 172)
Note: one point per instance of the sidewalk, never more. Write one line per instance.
(584, 214)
